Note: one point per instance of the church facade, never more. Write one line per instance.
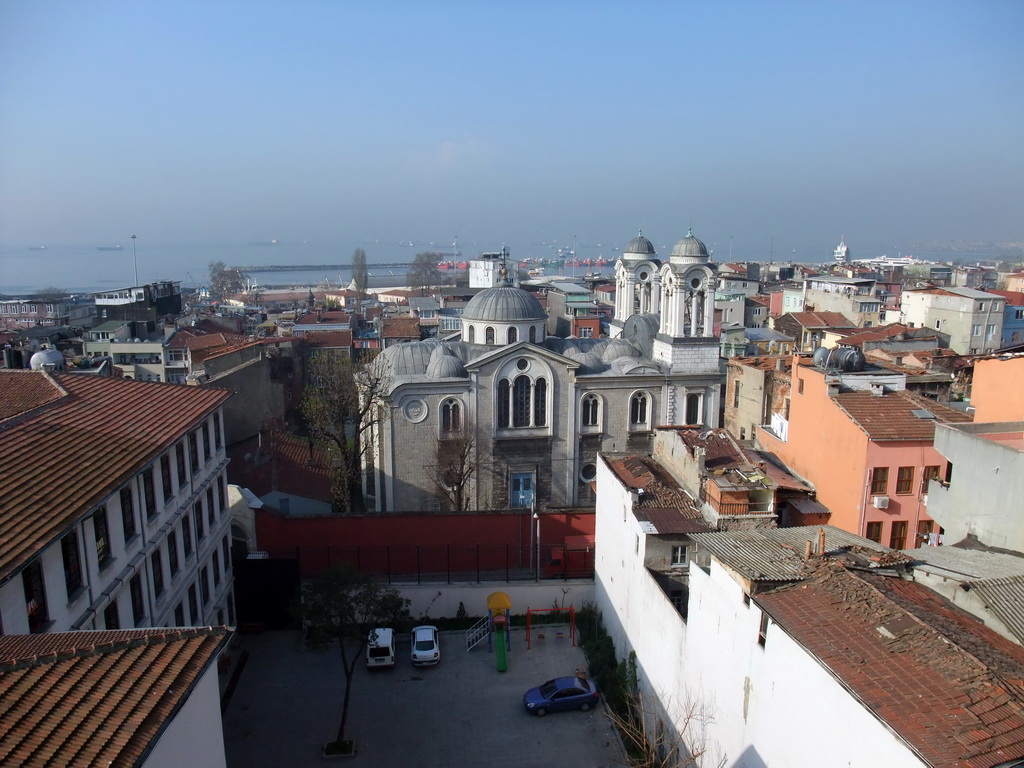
(530, 412)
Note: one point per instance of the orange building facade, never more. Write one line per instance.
(997, 392)
(869, 456)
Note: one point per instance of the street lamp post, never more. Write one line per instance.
(135, 259)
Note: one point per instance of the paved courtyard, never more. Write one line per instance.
(462, 712)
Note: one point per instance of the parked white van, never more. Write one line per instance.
(380, 648)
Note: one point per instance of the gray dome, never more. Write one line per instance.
(504, 304)
(407, 359)
(445, 366)
(589, 363)
(640, 245)
(690, 248)
(619, 348)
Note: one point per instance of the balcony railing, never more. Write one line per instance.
(729, 508)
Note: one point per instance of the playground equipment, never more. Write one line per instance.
(572, 622)
(499, 607)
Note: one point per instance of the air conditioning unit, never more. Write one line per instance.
(880, 502)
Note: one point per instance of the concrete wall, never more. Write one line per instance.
(443, 600)
(195, 737)
(984, 495)
(749, 693)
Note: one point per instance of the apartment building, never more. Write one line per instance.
(115, 509)
(972, 319)
(868, 452)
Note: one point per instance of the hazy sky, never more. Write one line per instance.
(514, 122)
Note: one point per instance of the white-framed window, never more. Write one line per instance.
(590, 412)
(680, 556)
(640, 411)
(975, 329)
(522, 402)
(990, 331)
(586, 332)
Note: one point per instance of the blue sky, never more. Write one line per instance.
(891, 123)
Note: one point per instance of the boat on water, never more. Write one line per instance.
(37, 247)
(109, 248)
(536, 272)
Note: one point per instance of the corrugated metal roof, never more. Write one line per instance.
(967, 564)
(1005, 598)
(775, 554)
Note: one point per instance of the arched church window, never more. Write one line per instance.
(489, 335)
(693, 409)
(591, 410)
(472, 334)
(533, 334)
(639, 410)
(504, 395)
(451, 416)
(540, 402)
(513, 335)
(521, 402)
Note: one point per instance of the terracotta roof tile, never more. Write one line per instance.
(23, 393)
(96, 698)
(285, 463)
(891, 416)
(63, 459)
(312, 318)
(822, 320)
(660, 499)
(329, 339)
(947, 685)
(400, 328)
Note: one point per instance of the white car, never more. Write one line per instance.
(425, 646)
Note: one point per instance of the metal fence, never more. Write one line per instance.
(442, 563)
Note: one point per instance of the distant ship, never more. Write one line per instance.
(37, 247)
(263, 242)
(109, 248)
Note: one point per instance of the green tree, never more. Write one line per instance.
(347, 606)
(342, 404)
(360, 273)
(225, 280)
(424, 274)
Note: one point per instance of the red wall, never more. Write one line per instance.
(285, 537)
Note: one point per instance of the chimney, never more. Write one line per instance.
(808, 546)
(821, 542)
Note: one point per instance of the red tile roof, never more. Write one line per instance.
(312, 318)
(660, 499)
(400, 328)
(329, 339)
(822, 320)
(64, 458)
(286, 465)
(891, 417)
(947, 685)
(96, 698)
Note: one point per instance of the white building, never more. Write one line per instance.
(799, 647)
(116, 508)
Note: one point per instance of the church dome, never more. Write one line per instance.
(619, 348)
(639, 246)
(689, 250)
(445, 366)
(504, 304)
(589, 363)
(408, 359)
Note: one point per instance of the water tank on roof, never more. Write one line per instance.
(845, 359)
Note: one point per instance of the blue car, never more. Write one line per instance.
(561, 693)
